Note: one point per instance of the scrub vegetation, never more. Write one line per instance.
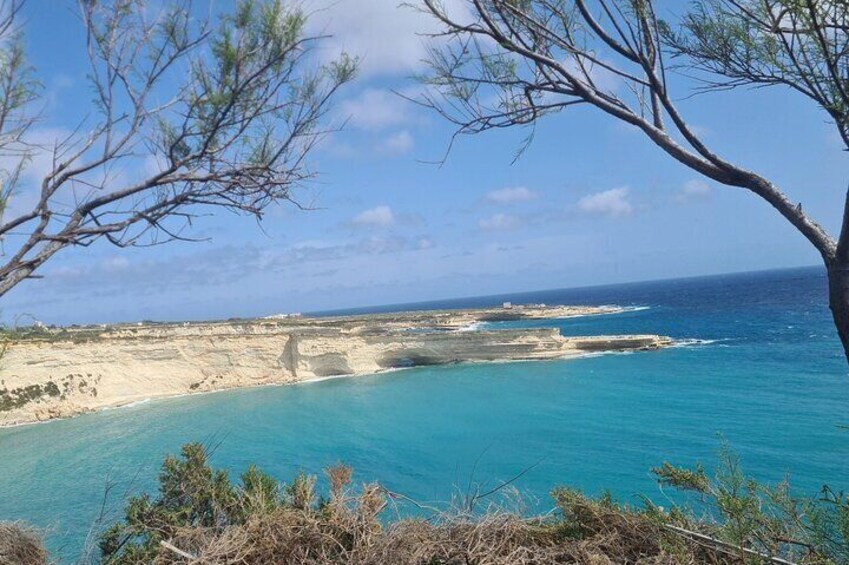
(17, 397)
(199, 515)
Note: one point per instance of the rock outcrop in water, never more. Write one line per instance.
(49, 374)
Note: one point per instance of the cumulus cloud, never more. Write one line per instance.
(115, 263)
(693, 190)
(117, 275)
(498, 222)
(330, 251)
(397, 143)
(378, 217)
(375, 109)
(613, 202)
(511, 195)
(384, 34)
(41, 143)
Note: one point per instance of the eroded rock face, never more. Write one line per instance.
(75, 371)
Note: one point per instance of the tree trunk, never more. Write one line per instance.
(838, 300)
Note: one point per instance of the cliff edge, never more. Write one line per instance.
(56, 373)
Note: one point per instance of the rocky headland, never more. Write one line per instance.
(51, 373)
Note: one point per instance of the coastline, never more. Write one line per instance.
(150, 399)
(64, 372)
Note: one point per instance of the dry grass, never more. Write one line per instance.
(347, 530)
(20, 545)
(201, 518)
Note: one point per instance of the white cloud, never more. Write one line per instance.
(332, 144)
(41, 143)
(613, 202)
(693, 190)
(384, 34)
(381, 245)
(499, 222)
(398, 143)
(379, 217)
(511, 195)
(375, 109)
(115, 263)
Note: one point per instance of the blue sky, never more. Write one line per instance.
(590, 202)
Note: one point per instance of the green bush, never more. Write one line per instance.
(15, 398)
(733, 519)
(763, 519)
(191, 495)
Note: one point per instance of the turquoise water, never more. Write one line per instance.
(764, 370)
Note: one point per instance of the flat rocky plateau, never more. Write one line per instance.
(51, 373)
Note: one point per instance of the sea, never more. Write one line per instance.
(757, 370)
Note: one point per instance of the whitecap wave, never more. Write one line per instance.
(696, 342)
(602, 354)
(474, 326)
(129, 404)
(635, 308)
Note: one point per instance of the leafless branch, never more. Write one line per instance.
(189, 115)
(516, 61)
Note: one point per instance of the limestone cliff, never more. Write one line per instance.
(64, 372)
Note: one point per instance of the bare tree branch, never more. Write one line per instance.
(189, 114)
(515, 61)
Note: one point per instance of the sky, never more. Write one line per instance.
(591, 201)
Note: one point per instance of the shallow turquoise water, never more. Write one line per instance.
(773, 384)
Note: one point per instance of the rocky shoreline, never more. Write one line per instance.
(52, 373)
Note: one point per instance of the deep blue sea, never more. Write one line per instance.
(761, 368)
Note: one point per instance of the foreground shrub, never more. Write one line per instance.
(20, 545)
(200, 516)
(754, 519)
